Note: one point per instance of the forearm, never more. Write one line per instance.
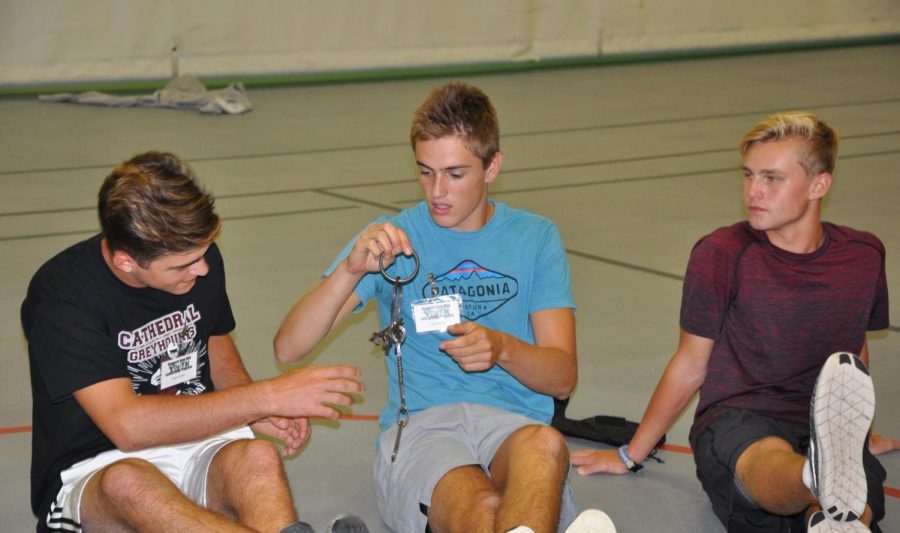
(154, 420)
(226, 367)
(549, 365)
(675, 390)
(548, 370)
(315, 314)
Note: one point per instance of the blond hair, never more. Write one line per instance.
(821, 140)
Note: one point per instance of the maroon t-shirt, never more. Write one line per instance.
(775, 316)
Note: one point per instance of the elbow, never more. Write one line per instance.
(125, 438)
(128, 446)
(284, 352)
(281, 353)
(567, 386)
(565, 391)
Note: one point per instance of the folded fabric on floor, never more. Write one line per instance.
(183, 92)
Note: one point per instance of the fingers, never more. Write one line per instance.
(597, 461)
(315, 391)
(386, 239)
(475, 349)
(462, 328)
(464, 338)
(304, 428)
(331, 372)
(296, 437)
(581, 457)
(589, 469)
(279, 422)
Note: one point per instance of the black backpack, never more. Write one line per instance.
(611, 430)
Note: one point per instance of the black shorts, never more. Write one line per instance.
(717, 447)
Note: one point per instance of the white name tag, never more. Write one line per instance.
(436, 314)
(178, 370)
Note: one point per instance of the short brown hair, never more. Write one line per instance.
(821, 139)
(152, 205)
(458, 110)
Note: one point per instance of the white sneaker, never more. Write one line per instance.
(819, 523)
(843, 405)
(591, 521)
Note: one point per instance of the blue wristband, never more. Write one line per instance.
(627, 460)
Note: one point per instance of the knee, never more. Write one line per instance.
(484, 500)
(475, 505)
(544, 441)
(257, 454)
(749, 463)
(129, 481)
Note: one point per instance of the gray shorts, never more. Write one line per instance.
(186, 465)
(434, 442)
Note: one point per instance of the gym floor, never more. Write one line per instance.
(634, 162)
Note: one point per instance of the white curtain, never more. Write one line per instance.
(53, 41)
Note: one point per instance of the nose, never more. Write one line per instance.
(438, 186)
(200, 268)
(752, 190)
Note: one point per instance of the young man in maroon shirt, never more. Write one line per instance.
(765, 304)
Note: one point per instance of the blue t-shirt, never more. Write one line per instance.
(513, 266)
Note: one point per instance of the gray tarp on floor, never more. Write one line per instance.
(183, 92)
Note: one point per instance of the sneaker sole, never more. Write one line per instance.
(819, 523)
(347, 524)
(841, 414)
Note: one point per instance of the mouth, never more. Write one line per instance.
(440, 209)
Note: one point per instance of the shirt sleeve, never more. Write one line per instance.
(552, 287)
(880, 317)
(71, 349)
(224, 322)
(707, 291)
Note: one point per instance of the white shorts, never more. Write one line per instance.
(434, 442)
(186, 465)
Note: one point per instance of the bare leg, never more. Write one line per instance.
(132, 495)
(247, 482)
(525, 489)
(772, 473)
(464, 500)
(530, 470)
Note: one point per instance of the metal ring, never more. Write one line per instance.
(399, 280)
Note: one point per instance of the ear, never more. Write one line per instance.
(122, 261)
(493, 168)
(821, 183)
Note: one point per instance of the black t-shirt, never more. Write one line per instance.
(85, 326)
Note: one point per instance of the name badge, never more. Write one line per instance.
(436, 314)
(178, 370)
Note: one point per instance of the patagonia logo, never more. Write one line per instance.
(483, 291)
